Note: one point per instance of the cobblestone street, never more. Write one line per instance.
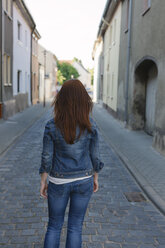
(111, 220)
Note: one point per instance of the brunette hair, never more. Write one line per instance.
(72, 106)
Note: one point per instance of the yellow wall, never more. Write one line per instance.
(111, 60)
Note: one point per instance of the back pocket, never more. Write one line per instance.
(55, 189)
(86, 187)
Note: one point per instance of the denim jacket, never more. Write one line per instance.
(63, 160)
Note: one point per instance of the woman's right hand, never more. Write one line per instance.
(95, 184)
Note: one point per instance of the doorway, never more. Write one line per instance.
(145, 95)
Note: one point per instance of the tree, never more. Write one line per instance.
(66, 72)
(60, 77)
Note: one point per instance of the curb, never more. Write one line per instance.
(141, 181)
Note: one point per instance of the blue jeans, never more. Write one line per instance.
(79, 193)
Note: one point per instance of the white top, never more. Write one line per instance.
(65, 180)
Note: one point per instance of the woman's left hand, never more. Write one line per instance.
(43, 189)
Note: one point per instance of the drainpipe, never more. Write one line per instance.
(128, 61)
(2, 54)
(31, 57)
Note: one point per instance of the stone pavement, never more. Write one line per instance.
(15, 125)
(136, 151)
(111, 220)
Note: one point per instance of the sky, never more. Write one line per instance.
(68, 27)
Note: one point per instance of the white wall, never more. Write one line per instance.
(21, 54)
(85, 76)
(97, 70)
(111, 60)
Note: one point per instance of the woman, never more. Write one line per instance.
(70, 159)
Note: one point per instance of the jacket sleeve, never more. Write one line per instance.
(94, 150)
(47, 151)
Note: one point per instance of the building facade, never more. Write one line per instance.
(97, 56)
(136, 94)
(35, 68)
(47, 74)
(106, 56)
(23, 27)
(111, 59)
(143, 49)
(85, 76)
(6, 58)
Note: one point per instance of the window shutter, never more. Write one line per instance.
(5, 69)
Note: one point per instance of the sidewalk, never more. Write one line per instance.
(136, 151)
(16, 125)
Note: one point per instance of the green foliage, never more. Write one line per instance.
(66, 72)
(60, 77)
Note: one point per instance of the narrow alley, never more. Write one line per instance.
(111, 220)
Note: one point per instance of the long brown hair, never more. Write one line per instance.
(72, 106)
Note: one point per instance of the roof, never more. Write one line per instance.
(36, 33)
(97, 41)
(107, 15)
(66, 61)
(26, 13)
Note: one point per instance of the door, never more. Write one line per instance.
(150, 102)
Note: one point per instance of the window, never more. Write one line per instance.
(127, 14)
(26, 81)
(18, 80)
(25, 38)
(146, 6)
(8, 70)
(19, 30)
(5, 69)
